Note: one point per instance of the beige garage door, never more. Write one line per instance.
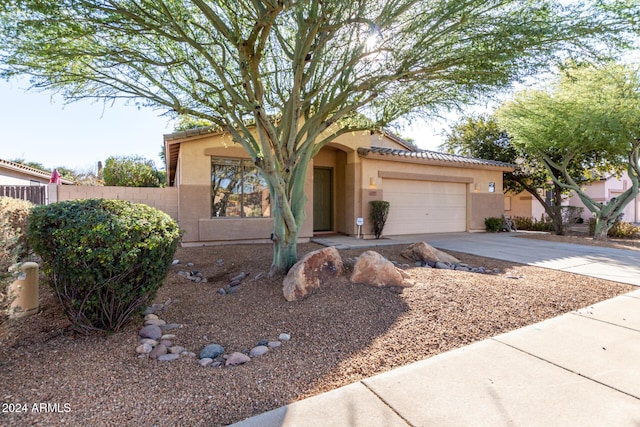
(425, 206)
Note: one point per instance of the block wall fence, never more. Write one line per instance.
(164, 199)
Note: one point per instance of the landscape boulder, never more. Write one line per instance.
(373, 269)
(424, 252)
(310, 272)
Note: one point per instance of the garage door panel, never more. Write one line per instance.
(425, 206)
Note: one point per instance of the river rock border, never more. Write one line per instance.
(156, 343)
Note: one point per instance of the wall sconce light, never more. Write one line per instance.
(475, 190)
(492, 187)
(372, 183)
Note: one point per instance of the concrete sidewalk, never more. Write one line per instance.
(578, 369)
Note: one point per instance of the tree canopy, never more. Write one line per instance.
(588, 120)
(286, 77)
(130, 171)
(483, 137)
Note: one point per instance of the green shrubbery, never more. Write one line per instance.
(619, 230)
(13, 242)
(493, 224)
(533, 224)
(378, 216)
(104, 259)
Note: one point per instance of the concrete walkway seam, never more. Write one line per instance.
(565, 368)
(380, 398)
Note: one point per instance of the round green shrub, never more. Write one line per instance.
(104, 259)
(493, 224)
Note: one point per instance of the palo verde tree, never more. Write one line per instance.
(589, 119)
(482, 137)
(286, 77)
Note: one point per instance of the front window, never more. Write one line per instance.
(238, 189)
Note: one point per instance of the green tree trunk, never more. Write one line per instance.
(288, 203)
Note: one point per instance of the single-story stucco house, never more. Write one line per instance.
(12, 173)
(223, 199)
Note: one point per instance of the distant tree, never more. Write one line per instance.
(301, 73)
(482, 137)
(130, 171)
(588, 120)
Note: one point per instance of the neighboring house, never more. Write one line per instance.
(23, 182)
(12, 173)
(523, 205)
(606, 189)
(603, 190)
(222, 197)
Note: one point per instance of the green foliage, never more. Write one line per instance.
(13, 242)
(303, 73)
(131, 171)
(104, 259)
(493, 224)
(588, 120)
(534, 224)
(378, 213)
(619, 229)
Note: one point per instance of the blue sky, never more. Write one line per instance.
(39, 127)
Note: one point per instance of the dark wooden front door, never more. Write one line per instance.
(322, 199)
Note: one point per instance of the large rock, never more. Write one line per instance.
(211, 351)
(424, 252)
(309, 273)
(373, 269)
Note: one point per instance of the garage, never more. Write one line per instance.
(425, 206)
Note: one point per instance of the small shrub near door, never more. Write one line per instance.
(378, 216)
(493, 224)
(104, 259)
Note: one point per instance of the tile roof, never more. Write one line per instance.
(28, 170)
(428, 156)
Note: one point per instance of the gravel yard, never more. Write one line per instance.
(340, 334)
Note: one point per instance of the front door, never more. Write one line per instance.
(322, 199)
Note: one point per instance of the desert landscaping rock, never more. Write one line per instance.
(444, 265)
(284, 337)
(151, 331)
(168, 357)
(144, 348)
(373, 269)
(274, 344)
(311, 272)
(211, 351)
(205, 361)
(258, 351)
(236, 359)
(158, 350)
(170, 326)
(176, 349)
(157, 322)
(422, 251)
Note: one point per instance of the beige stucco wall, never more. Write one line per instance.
(352, 176)
(164, 199)
(480, 202)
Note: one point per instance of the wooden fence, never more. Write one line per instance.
(36, 194)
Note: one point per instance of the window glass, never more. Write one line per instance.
(237, 189)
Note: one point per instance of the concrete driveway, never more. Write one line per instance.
(620, 265)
